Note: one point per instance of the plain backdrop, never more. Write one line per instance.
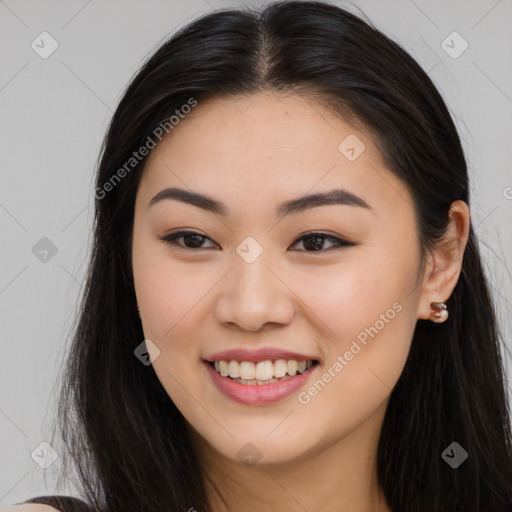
(54, 113)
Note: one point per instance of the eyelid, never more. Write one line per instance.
(338, 241)
(171, 239)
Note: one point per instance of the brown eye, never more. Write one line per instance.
(313, 242)
(191, 239)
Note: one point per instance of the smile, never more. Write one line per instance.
(262, 382)
(262, 372)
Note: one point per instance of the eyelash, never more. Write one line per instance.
(339, 242)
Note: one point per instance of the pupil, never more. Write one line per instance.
(197, 238)
(315, 245)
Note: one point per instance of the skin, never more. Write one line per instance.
(252, 153)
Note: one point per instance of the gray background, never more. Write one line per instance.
(54, 114)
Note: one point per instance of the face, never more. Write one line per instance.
(333, 283)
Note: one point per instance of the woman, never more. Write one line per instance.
(285, 307)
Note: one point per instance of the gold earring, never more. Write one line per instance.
(440, 313)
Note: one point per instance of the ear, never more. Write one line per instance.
(444, 263)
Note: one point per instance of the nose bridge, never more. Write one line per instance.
(252, 294)
(254, 278)
(252, 259)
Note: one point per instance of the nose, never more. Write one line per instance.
(253, 295)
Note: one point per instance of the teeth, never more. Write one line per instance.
(260, 382)
(292, 367)
(263, 372)
(224, 368)
(280, 368)
(234, 369)
(247, 370)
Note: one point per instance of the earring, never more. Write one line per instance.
(440, 313)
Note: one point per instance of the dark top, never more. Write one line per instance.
(62, 503)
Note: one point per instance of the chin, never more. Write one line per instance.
(252, 447)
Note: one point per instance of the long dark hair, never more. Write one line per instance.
(123, 433)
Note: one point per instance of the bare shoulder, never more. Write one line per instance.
(28, 507)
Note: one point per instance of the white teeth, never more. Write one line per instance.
(280, 368)
(292, 367)
(247, 370)
(262, 372)
(234, 369)
(224, 368)
(260, 382)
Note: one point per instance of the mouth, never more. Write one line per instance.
(259, 373)
(260, 382)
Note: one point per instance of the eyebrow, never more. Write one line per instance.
(336, 196)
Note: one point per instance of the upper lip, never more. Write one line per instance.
(263, 354)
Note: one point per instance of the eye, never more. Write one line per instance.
(194, 240)
(312, 241)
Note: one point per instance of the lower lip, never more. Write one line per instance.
(258, 394)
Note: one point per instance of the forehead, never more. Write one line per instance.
(268, 145)
(286, 127)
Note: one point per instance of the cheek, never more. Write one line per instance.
(346, 299)
(366, 312)
(168, 296)
(365, 361)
